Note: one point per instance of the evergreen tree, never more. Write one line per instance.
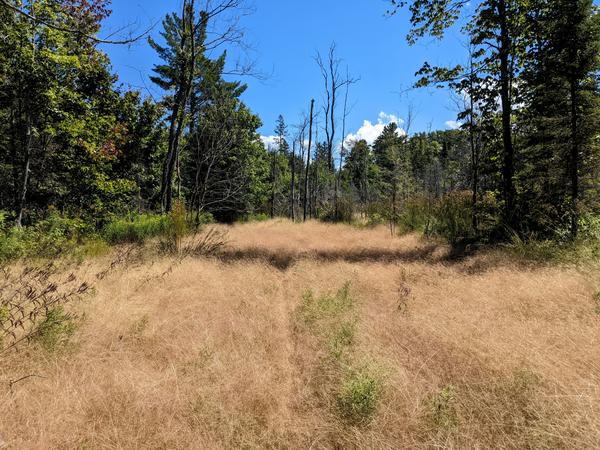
(183, 56)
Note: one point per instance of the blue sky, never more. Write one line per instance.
(285, 35)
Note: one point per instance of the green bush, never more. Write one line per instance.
(254, 217)
(561, 248)
(137, 229)
(415, 215)
(342, 338)
(3, 216)
(443, 412)
(359, 395)
(453, 217)
(327, 305)
(377, 213)
(344, 213)
(55, 331)
(50, 237)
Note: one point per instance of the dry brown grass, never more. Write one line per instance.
(213, 353)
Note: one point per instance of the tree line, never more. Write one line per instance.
(524, 160)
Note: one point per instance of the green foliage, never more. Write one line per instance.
(255, 217)
(179, 226)
(326, 306)
(357, 389)
(360, 394)
(415, 215)
(53, 236)
(137, 228)
(343, 212)
(443, 410)
(55, 331)
(342, 337)
(452, 217)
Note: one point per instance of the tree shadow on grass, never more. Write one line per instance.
(283, 259)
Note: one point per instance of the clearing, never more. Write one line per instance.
(316, 336)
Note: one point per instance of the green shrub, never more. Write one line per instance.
(342, 338)
(137, 229)
(93, 247)
(415, 215)
(442, 410)
(12, 244)
(254, 217)
(453, 217)
(50, 237)
(344, 213)
(3, 216)
(204, 218)
(450, 217)
(327, 305)
(55, 331)
(359, 395)
(377, 213)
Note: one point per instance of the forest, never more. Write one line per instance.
(434, 288)
(524, 162)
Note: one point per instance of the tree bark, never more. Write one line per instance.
(293, 183)
(312, 105)
(474, 150)
(574, 163)
(506, 104)
(273, 183)
(181, 100)
(25, 176)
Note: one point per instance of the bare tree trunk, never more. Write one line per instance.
(178, 116)
(28, 136)
(506, 103)
(339, 174)
(574, 163)
(474, 149)
(334, 88)
(312, 105)
(273, 184)
(293, 184)
(25, 176)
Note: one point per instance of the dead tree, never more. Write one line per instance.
(334, 81)
(312, 106)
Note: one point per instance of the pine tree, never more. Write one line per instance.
(183, 57)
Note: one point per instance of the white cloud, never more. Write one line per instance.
(453, 124)
(371, 131)
(270, 141)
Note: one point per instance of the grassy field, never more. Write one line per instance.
(315, 336)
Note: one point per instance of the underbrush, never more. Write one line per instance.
(32, 306)
(136, 229)
(58, 235)
(48, 238)
(253, 217)
(354, 387)
(450, 219)
(561, 249)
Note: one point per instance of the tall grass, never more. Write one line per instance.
(226, 353)
(137, 229)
